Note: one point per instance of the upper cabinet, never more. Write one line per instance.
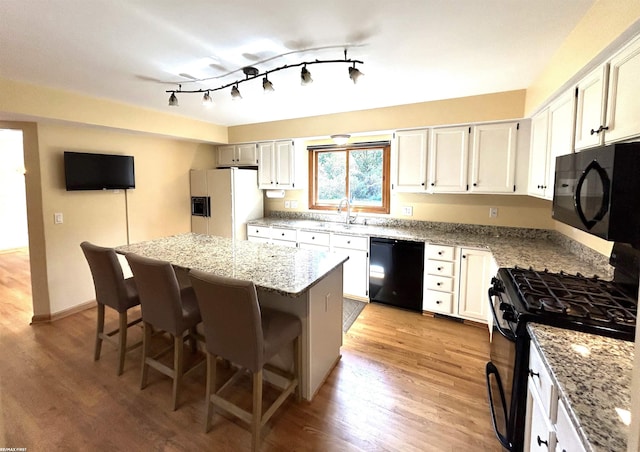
(590, 108)
(607, 106)
(448, 159)
(477, 158)
(276, 169)
(623, 108)
(551, 136)
(409, 161)
(493, 158)
(237, 155)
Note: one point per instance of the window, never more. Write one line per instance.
(359, 173)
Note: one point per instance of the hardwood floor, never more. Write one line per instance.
(406, 382)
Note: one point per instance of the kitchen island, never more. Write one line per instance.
(305, 283)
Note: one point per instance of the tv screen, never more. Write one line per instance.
(85, 171)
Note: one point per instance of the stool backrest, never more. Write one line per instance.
(231, 318)
(159, 292)
(107, 275)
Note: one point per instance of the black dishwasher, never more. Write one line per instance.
(396, 273)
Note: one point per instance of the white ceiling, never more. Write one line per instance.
(413, 50)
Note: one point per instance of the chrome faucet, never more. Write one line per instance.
(348, 219)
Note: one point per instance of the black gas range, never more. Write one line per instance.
(519, 296)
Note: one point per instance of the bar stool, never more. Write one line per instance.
(113, 290)
(238, 330)
(166, 307)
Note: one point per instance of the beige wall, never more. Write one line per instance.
(158, 206)
(26, 100)
(602, 24)
(488, 107)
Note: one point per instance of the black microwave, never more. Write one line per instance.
(200, 206)
(598, 191)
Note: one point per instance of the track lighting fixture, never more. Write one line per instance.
(305, 76)
(235, 93)
(354, 73)
(251, 73)
(267, 85)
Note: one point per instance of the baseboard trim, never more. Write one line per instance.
(64, 313)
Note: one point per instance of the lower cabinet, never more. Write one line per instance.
(548, 427)
(457, 281)
(356, 269)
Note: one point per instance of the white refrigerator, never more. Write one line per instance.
(234, 199)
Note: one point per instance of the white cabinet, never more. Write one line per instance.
(493, 158)
(260, 234)
(623, 108)
(591, 108)
(475, 279)
(548, 426)
(312, 240)
(440, 277)
(276, 169)
(551, 136)
(448, 159)
(284, 237)
(237, 155)
(409, 161)
(457, 281)
(356, 269)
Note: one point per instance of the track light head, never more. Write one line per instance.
(173, 100)
(206, 100)
(267, 86)
(235, 93)
(354, 73)
(305, 76)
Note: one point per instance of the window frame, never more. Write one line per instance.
(314, 152)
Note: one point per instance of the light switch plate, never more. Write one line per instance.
(493, 212)
(58, 218)
(294, 204)
(287, 204)
(407, 211)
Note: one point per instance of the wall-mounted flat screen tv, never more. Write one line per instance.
(86, 171)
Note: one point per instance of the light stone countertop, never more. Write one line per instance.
(510, 247)
(593, 375)
(288, 271)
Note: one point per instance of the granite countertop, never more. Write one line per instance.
(593, 376)
(289, 271)
(510, 247)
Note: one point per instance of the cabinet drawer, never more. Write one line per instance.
(259, 231)
(441, 252)
(440, 268)
(438, 302)
(316, 238)
(441, 283)
(284, 234)
(350, 241)
(541, 380)
(566, 433)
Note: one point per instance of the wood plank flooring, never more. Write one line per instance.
(406, 382)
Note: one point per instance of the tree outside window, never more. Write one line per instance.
(359, 174)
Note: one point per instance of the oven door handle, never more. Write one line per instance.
(506, 333)
(491, 369)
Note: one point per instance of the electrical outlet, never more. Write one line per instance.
(294, 204)
(407, 211)
(58, 218)
(493, 212)
(287, 204)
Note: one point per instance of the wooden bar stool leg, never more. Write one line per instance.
(146, 348)
(99, 332)
(210, 389)
(256, 421)
(122, 341)
(178, 346)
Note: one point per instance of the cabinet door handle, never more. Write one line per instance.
(540, 442)
(464, 256)
(439, 269)
(600, 129)
(533, 374)
(475, 184)
(438, 301)
(422, 184)
(283, 234)
(433, 184)
(440, 253)
(438, 284)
